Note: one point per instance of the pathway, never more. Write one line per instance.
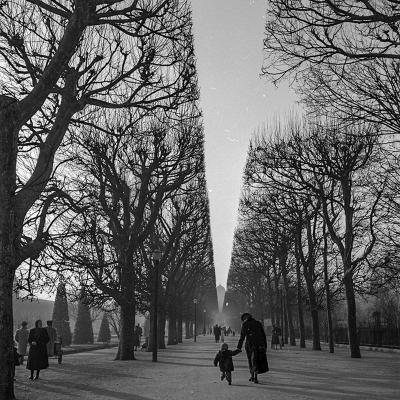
(185, 372)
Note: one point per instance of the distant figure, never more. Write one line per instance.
(217, 333)
(229, 331)
(37, 357)
(233, 333)
(256, 346)
(139, 331)
(275, 341)
(52, 332)
(223, 334)
(21, 337)
(136, 339)
(224, 359)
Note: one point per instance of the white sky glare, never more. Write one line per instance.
(235, 101)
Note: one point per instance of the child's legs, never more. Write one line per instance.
(228, 375)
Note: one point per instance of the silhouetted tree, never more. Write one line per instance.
(104, 332)
(61, 316)
(83, 331)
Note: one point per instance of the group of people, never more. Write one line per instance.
(256, 347)
(220, 332)
(41, 346)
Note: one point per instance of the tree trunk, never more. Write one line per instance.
(172, 333)
(352, 317)
(6, 328)
(180, 335)
(328, 293)
(285, 321)
(348, 275)
(8, 159)
(314, 314)
(292, 334)
(289, 315)
(161, 328)
(300, 307)
(126, 340)
(188, 334)
(192, 327)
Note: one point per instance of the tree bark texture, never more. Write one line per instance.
(8, 241)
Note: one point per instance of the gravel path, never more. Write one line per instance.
(185, 372)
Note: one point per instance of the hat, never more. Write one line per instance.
(245, 316)
(224, 346)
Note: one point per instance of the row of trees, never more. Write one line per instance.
(318, 216)
(101, 158)
(320, 200)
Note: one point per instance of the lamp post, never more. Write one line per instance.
(157, 254)
(204, 322)
(195, 318)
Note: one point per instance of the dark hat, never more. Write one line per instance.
(245, 316)
(24, 323)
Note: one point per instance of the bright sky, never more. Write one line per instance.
(235, 101)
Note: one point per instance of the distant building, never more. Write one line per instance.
(221, 296)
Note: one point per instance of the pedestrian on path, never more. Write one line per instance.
(217, 333)
(21, 337)
(256, 346)
(224, 359)
(37, 357)
(275, 341)
(136, 339)
(52, 333)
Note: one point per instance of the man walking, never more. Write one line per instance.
(256, 346)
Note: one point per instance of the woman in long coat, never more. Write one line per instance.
(37, 357)
(21, 337)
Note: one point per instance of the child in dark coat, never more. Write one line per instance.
(224, 359)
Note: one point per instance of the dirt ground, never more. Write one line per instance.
(186, 372)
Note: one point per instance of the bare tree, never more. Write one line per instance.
(339, 167)
(62, 59)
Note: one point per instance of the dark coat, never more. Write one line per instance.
(37, 357)
(224, 359)
(256, 345)
(276, 332)
(253, 332)
(217, 332)
(136, 338)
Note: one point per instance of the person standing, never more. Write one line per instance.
(275, 341)
(37, 356)
(256, 346)
(136, 339)
(217, 333)
(222, 334)
(21, 337)
(52, 332)
(139, 332)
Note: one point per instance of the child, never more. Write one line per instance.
(224, 359)
(16, 362)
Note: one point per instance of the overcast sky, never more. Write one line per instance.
(235, 101)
